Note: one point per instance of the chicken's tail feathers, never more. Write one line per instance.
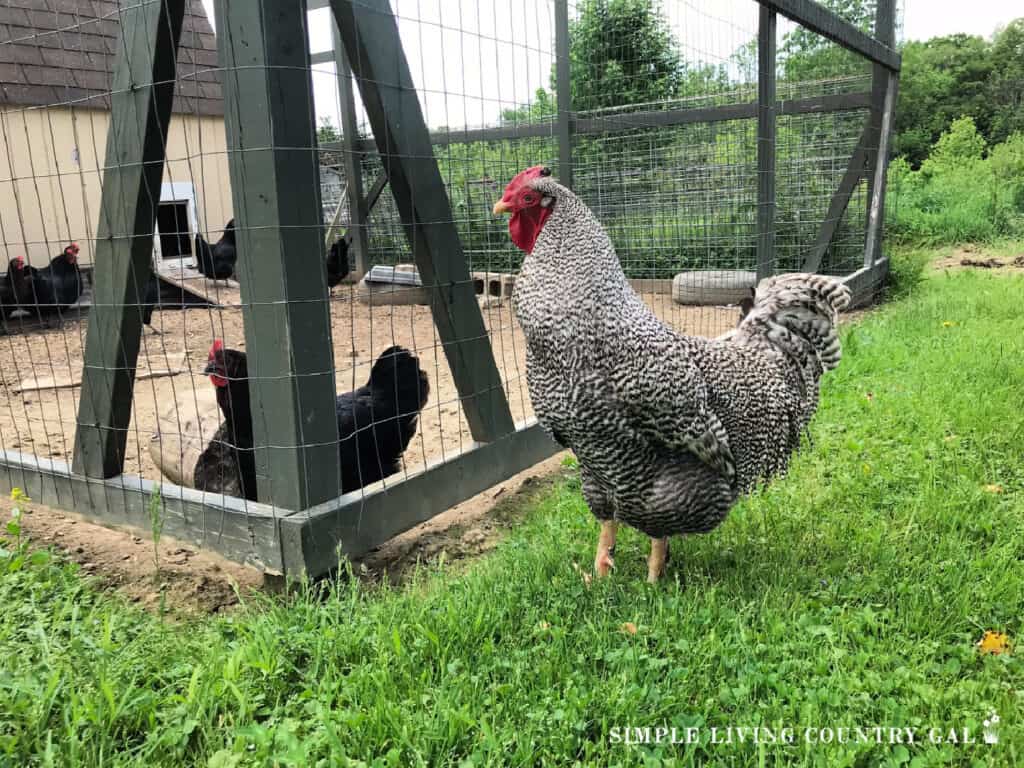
(798, 314)
(397, 373)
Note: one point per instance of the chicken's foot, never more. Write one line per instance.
(658, 558)
(603, 561)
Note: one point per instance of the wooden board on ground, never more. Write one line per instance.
(217, 292)
(167, 365)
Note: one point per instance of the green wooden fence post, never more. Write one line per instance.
(275, 184)
(140, 111)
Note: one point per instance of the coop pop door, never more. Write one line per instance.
(176, 227)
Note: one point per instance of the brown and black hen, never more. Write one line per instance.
(375, 423)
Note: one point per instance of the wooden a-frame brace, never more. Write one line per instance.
(141, 101)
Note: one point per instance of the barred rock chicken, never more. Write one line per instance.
(669, 429)
(375, 423)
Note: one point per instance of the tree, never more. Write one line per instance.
(622, 52)
(327, 132)
(941, 80)
(1005, 85)
(807, 55)
(543, 106)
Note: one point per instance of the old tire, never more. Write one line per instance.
(713, 287)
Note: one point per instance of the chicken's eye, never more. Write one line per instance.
(529, 199)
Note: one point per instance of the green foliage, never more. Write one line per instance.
(1006, 82)
(961, 145)
(850, 592)
(156, 527)
(946, 77)
(806, 55)
(1007, 160)
(622, 52)
(958, 195)
(327, 132)
(542, 107)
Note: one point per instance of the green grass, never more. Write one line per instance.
(849, 594)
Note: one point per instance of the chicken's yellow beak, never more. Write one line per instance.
(501, 207)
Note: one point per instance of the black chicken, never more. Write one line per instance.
(19, 278)
(217, 262)
(375, 423)
(337, 263)
(227, 465)
(58, 285)
(150, 301)
(15, 288)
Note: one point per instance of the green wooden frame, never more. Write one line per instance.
(275, 181)
(143, 94)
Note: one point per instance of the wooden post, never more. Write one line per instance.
(275, 184)
(766, 144)
(370, 35)
(563, 83)
(885, 32)
(141, 101)
(358, 236)
(876, 203)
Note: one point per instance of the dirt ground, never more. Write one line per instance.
(43, 422)
(977, 257)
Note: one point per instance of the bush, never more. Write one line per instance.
(959, 195)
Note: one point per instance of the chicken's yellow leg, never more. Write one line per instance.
(656, 562)
(603, 561)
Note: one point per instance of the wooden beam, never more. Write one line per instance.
(275, 183)
(358, 522)
(352, 160)
(834, 102)
(885, 31)
(375, 191)
(866, 282)
(141, 101)
(370, 35)
(837, 205)
(371, 200)
(563, 92)
(826, 23)
(876, 205)
(611, 123)
(766, 43)
(242, 531)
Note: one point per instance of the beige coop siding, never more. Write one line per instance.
(47, 199)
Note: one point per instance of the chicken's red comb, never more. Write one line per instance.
(523, 176)
(217, 346)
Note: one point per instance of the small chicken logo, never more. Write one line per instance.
(991, 728)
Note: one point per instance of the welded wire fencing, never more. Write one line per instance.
(261, 277)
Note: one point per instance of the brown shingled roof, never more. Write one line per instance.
(62, 51)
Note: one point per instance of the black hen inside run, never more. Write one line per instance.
(375, 423)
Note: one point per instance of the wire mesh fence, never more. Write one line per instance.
(245, 230)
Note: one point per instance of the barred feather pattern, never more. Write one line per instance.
(668, 429)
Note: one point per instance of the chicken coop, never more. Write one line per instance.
(341, 158)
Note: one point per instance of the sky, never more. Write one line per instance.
(473, 58)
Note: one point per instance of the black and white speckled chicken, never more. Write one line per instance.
(669, 429)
